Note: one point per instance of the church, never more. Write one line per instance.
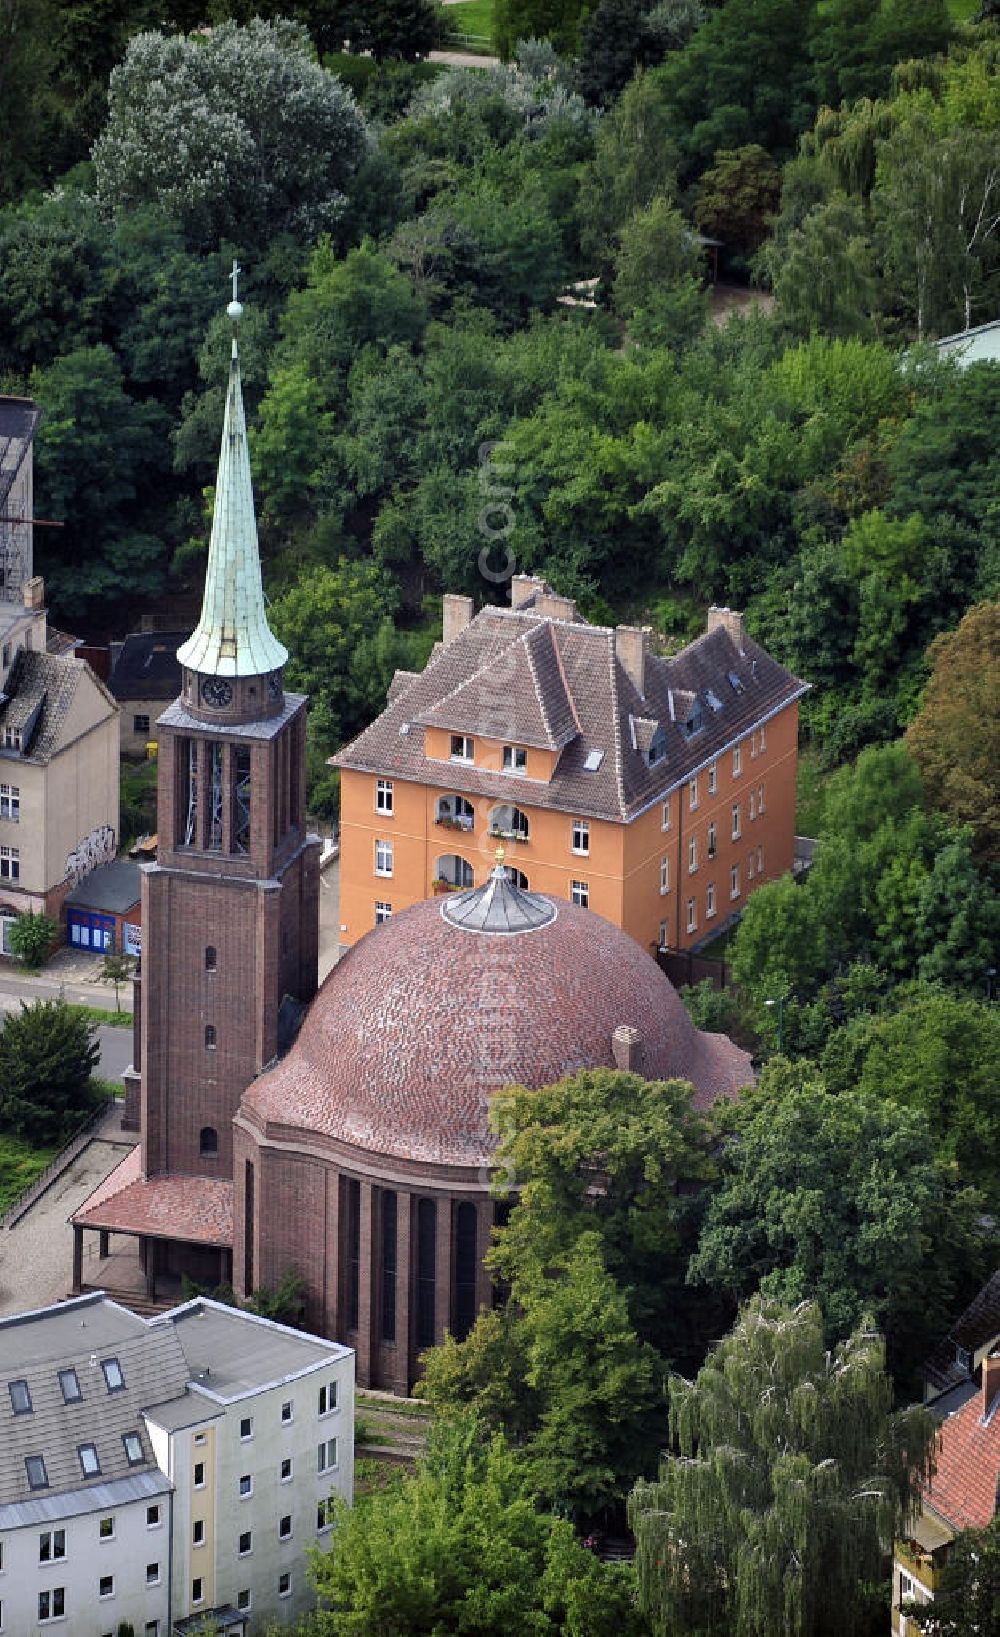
(344, 1134)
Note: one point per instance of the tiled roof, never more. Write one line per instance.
(196, 1210)
(113, 887)
(40, 691)
(978, 1326)
(964, 1488)
(423, 1020)
(525, 678)
(147, 667)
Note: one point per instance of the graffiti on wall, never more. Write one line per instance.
(95, 849)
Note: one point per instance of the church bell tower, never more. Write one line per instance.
(230, 909)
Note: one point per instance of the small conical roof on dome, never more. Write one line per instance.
(498, 906)
(232, 637)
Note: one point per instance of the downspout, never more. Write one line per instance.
(680, 854)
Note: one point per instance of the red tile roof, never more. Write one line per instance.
(964, 1487)
(422, 1021)
(196, 1210)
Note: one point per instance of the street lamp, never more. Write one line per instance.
(779, 1002)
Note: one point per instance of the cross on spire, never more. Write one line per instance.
(234, 275)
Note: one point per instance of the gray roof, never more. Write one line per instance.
(498, 906)
(79, 1335)
(175, 716)
(113, 887)
(38, 695)
(227, 1363)
(977, 1328)
(526, 678)
(146, 666)
(73, 1503)
(198, 1351)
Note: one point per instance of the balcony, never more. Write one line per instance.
(508, 823)
(455, 813)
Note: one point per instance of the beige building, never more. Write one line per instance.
(58, 723)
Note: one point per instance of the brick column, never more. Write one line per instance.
(77, 1259)
(404, 1289)
(443, 1258)
(366, 1273)
(484, 1239)
(331, 1261)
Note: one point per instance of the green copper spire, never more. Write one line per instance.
(232, 637)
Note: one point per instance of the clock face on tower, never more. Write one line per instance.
(216, 692)
(274, 685)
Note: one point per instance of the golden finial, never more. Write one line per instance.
(501, 853)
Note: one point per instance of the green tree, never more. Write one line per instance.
(841, 1199)
(239, 134)
(855, 44)
(555, 20)
(787, 1480)
(736, 199)
(394, 29)
(31, 938)
(47, 1056)
(955, 737)
(824, 273)
(635, 162)
(620, 36)
(461, 1546)
(657, 257)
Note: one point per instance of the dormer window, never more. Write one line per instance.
(463, 748)
(515, 759)
(657, 751)
(695, 719)
(12, 738)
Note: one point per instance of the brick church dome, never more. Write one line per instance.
(454, 999)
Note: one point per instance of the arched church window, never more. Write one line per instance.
(211, 958)
(465, 1269)
(209, 1142)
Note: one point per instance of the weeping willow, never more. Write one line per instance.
(787, 1480)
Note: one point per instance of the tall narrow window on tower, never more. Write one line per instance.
(215, 799)
(241, 801)
(189, 769)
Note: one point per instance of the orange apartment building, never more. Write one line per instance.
(658, 792)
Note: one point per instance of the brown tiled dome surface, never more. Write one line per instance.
(422, 1020)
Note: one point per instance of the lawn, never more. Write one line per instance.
(963, 10)
(20, 1164)
(474, 20)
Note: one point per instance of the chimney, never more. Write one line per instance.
(554, 606)
(34, 592)
(522, 588)
(730, 620)
(630, 649)
(626, 1045)
(456, 616)
(991, 1381)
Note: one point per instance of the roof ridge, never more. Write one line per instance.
(616, 726)
(528, 641)
(565, 680)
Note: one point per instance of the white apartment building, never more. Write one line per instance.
(161, 1471)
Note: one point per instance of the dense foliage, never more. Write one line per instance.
(48, 1053)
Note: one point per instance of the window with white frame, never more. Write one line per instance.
(737, 761)
(325, 1515)
(665, 873)
(285, 1527)
(152, 1574)
(710, 901)
(383, 795)
(10, 802)
(52, 1604)
(326, 1455)
(463, 749)
(760, 798)
(736, 821)
(198, 1532)
(693, 793)
(750, 865)
(153, 1520)
(760, 860)
(243, 1600)
(286, 1412)
(106, 1529)
(328, 1398)
(245, 1544)
(692, 854)
(10, 864)
(286, 1470)
(711, 839)
(663, 935)
(285, 1584)
(198, 1589)
(106, 1586)
(383, 858)
(734, 881)
(515, 759)
(713, 778)
(52, 1546)
(246, 1485)
(579, 892)
(692, 921)
(580, 838)
(665, 814)
(246, 1427)
(383, 911)
(199, 1474)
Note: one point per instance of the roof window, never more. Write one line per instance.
(694, 721)
(593, 760)
(89, 1463)
(113, 1378)
(713, 699)
(20, 1397)
(657, 749)
(734, 682)
(34, 1466)
(69, 1381)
